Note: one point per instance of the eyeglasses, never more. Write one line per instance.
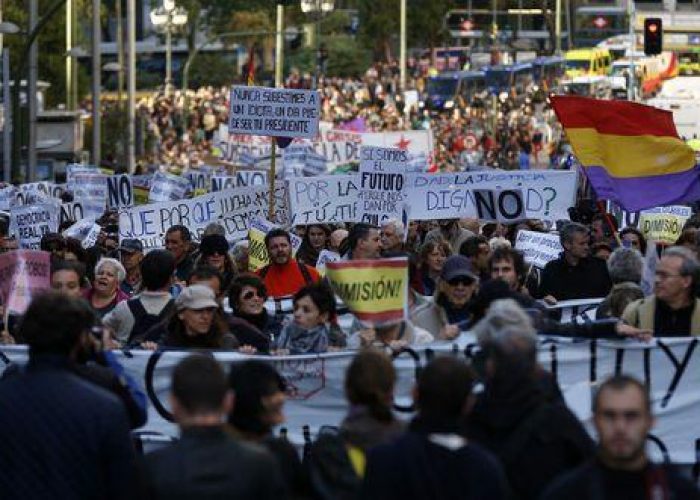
(461, 280)
(252, 293)
(664, 276)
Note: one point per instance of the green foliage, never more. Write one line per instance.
(212, 69)
(425, 19)
(379, 25)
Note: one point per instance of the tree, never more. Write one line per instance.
(379, 24)
(426, 22)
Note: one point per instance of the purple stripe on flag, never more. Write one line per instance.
(639, 193)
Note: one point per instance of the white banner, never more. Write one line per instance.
(669, 367)
(231, 208)
(274, 112)
(323, 199)
(538, 248)
(31, 222)
(492, 196)
(413, 141)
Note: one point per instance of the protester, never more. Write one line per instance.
(336, 240)
(67, 278)
(240, 256)
(105, 293)
(312, 330)
(52, 420)
(508, 264)
(477, 250)
(625, 267)
(259, 391)
(673, 310)
(249, 320)
(622, 468)
(574, 275)
(131, 319)
(207, 275)
(131, 255)
(431, 260)
(364, 242)
(178, 241)
(634, 238)
(450, 311)
(207, 462)
(391, 236)
(450, 231)
(337, 458)
(315, 240)
(433, 459)
(194, 325)
(213, 250)
(284, 275)
(55, 244)
(517, 417)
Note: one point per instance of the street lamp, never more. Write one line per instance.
(319, 9)
(7, 28)
(167, 19)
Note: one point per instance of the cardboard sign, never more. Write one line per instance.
(120, 191)
(664, 224)
(382, 184)
(538, 248)
(323, 199)
(31, 222)
(274, 112)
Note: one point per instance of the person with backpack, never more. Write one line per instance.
(131, 319)
(284, 276)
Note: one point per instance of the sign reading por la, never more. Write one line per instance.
(274, 112)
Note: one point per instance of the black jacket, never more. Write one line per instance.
(588, 279)
(62, 437)
(209, 464)
(534, 435)
(595, 481)
(421, 465)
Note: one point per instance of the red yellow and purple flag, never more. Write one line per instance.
(631, 153)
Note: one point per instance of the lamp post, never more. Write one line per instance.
(319, 9)
(7, 28)
(167, 19)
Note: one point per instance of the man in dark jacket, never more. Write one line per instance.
(532, 433)
(575, 274)
(433, 459)
(207, 463)
(62, 437)
(622, 468)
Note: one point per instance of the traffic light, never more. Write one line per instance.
(653, 36)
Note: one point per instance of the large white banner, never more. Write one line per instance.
(501, 196)
(669, 367)
(230, 208)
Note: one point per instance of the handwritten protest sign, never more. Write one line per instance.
(90, 186)
(232, 147)
(300, 159)
(375, 291)
(200, 181)
(324, 258)
(416, 142)
(231, 209)
(77, 210)
(382, 184)
(492, 195)
(31, 222)
(242, 178)
(120, 191)
(538, 248)
(274, 112)
(257, 252)
(664, 224)
(23, 274)
(338, 147)
(8, 196)
(167, 187)
(323, 199)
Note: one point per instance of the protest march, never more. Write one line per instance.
(337, 288)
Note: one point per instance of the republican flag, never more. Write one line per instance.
(631, 153)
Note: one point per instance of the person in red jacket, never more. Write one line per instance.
(284, 275)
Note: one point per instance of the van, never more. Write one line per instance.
(446, 89)
(587, 62)
(598, 87)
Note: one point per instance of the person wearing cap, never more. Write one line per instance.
(131, 255)
(450, 312)
(195, 324)
(213, 252)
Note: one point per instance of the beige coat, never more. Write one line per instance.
(640, 314)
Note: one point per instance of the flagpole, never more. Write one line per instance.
(279, 58)
(271, 180)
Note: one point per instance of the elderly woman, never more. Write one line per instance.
(105, 293)
(451, 311)
(195, 324)
(213, 252)
(625, 267)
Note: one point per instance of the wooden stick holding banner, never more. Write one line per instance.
(271, 178)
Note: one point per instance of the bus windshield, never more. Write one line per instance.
(499, 78)
(578, 64)
(441, 86)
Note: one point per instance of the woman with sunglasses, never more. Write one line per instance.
(213, 252)
(451, 311)
(249, 320)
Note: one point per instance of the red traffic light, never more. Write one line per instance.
(653, 28)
